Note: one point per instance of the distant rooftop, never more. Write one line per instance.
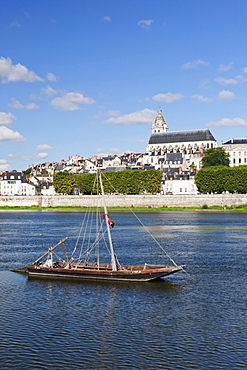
(236, 141)
(181, 136)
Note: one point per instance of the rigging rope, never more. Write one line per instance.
(100, 233)
(93, 231)
(156, 241)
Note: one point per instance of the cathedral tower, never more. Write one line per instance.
(159, 124)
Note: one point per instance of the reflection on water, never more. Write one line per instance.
(193, 321)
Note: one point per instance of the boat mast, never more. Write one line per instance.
(113, 258)
(50, 250)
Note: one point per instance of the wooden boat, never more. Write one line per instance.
(51, 265)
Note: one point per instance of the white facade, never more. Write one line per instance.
(237, 149)
(90, 166)
(111, 162)
(16, 187)
(177, 187)
(48, 190)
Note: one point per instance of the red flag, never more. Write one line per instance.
(110, 222)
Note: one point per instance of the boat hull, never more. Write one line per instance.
(123, 274)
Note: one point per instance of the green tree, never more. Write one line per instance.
(218, 179)
(63, 182)
(125, 182)
(215, 157)
(28, 172)
(152, 181)
(84, 182)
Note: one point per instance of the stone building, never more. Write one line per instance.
(176, 148)
(237, 149)
(177, 154)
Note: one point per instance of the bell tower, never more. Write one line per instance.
(159, 124)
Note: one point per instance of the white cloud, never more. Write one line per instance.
(194, 64)
(113, 113)
(51, 77)
(43, 147)
(142, 116)
(13, 73)
(225, 67)
(228, 122)
(31, 106)
(71, 101)
(230, 81)
(225, 81)
(105, 152)
(6, 118)
(17, 105)
(4, 165)
(145, 23)
(245, 69)
(202, 98)
(107, 18)
(141, 141)
(12, 156)
(226, 95)
(27, 158)
(42, 155)
(167, 98)
(49, 91)
(10, 135)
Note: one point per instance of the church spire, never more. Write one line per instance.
(159, 124)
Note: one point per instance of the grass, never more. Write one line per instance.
(164, 208)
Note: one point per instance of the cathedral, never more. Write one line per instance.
(176, 149)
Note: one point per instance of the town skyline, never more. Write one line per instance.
(89, 77)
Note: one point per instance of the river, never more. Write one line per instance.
(192, 320)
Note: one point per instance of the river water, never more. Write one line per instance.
(193, 320)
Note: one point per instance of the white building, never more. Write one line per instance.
(43, 184)
(237, 149)
(180, 186)
(111, 161)
(163, 146)
(14, 183)
(177, 154)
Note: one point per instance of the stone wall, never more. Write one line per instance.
(126, 200)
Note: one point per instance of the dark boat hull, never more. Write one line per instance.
(146, 274)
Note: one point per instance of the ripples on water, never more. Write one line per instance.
(194, 321)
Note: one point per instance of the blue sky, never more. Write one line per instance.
(88, 76)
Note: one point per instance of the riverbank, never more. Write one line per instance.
(122, 209)
(127, 201)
